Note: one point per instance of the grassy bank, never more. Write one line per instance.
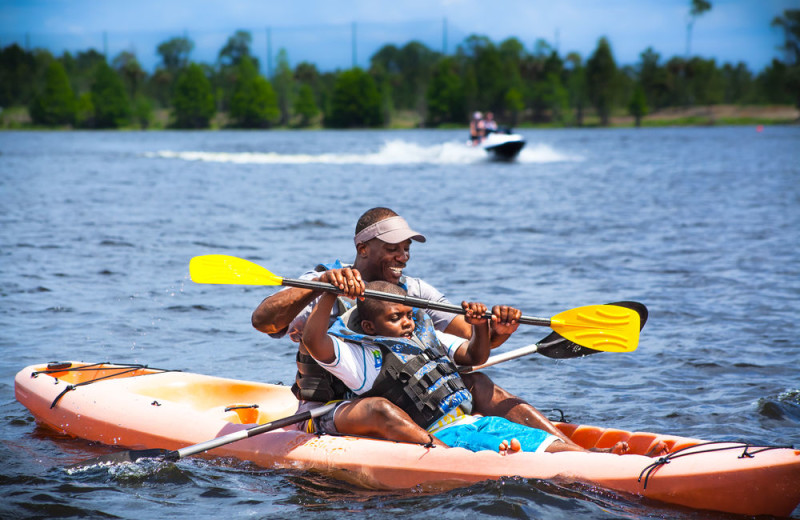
(17, 118)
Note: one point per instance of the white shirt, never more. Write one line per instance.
(358, 366)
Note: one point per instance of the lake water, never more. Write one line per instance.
(700, 224)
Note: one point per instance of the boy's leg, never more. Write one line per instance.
(377, 417)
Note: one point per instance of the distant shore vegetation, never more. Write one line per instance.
(406, 86)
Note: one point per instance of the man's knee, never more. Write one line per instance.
(478, 383)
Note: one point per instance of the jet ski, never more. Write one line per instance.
(503, 145)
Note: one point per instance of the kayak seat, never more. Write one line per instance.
(240, 413)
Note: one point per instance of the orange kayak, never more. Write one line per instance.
(134, 406)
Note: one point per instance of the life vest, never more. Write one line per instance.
(312, 382)
(416, 374)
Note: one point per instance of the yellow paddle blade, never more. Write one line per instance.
(224, 269)
(609, 328)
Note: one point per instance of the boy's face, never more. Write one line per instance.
(395, 321)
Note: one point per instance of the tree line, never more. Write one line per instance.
(520, 86)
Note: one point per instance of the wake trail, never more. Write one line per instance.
(392, 152)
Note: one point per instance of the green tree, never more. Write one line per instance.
(236, 49)
(790, 23)
(676, 93)
(175, 53)
(707, 85)
(601, 72)
(387, 101)
(112, 109)
(488, 70)
(653, 78)
(84, 111)
(549, 99)
(355, 102)
(637, 106)
(284, 86)
(82, 69)
(305, 105)
(772, 84)
(143, 110)
(445, 96)
(739, 84)
(131, 72)
(253, 102)
(308, 74)
(17, 72)
(515, 104)
(404, 73)
(512, 56)
(576, 86)
(55, 105)
(193, 103)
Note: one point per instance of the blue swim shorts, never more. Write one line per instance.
(486, 433)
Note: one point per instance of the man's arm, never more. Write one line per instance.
(500, 330)
(276, 312)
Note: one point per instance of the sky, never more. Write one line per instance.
(339, 33)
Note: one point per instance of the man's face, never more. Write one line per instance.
(395, 321)
(385, 261)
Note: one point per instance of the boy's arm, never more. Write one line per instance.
(315, 333)
(476, 350)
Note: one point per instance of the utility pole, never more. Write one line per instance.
(105, 46)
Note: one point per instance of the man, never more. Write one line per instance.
(383, 242)
(476, 129)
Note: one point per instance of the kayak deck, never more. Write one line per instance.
(139, 407)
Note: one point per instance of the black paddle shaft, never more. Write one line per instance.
(411, 301)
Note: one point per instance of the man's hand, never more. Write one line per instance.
(347, 280)
(505, 320)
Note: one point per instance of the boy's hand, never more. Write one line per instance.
(475, 314)
(347, 280)
(505, 319)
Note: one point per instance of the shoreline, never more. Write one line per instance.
(17, 118)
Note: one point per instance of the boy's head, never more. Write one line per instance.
(380, 318)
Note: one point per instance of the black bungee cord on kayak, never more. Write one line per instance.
(747, 453)
(67, 367)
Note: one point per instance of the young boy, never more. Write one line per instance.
(387, 349)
